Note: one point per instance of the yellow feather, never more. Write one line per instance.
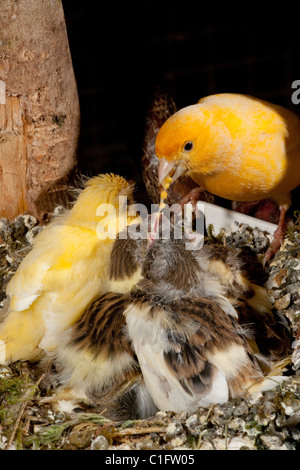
(243, 148)
(64, 272)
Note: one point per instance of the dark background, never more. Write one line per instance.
(122, 50)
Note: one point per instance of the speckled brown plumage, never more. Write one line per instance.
(101, 323)
(270, 329)
(193, 314)
(193, 343)
(187, 357)
(95, 362)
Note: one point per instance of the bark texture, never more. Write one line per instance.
(39, 108)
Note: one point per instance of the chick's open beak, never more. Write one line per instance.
(173, 169)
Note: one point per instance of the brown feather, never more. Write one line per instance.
(243, 275)
(100, 325)
(196, 330)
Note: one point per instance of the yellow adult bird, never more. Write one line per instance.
(237, 147)
(67, 268)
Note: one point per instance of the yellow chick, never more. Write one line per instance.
(236, 147)
(67, 268)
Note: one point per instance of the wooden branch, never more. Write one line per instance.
(39, 108)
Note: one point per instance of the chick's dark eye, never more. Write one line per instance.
(188, 146)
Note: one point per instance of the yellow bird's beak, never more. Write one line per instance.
(173, 169)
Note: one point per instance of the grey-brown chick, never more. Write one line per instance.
(243, 278)
(186, 333)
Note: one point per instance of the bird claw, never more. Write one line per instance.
(275, 245)
(270, 253)
(195, 195)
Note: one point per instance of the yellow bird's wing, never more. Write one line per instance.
(23, 326)
(64, 272)
(28, 282)
(72, 280)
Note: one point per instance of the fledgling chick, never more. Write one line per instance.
(186, 335)
(94, 362)
(236, 147)
(66, 269)
(243, 278)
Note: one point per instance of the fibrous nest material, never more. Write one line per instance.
(28, 419)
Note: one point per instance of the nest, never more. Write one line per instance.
(271, 420)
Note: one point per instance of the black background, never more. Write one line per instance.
(122, 50)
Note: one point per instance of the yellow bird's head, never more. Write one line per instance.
(107, 197)
(179, 143)
(188, 143)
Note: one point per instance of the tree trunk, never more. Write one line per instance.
(39, 108)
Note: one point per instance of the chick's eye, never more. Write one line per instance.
(188, 146)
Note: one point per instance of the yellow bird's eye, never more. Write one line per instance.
(188, 146)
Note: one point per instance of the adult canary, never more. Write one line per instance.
(67, 268)
(236, 147)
